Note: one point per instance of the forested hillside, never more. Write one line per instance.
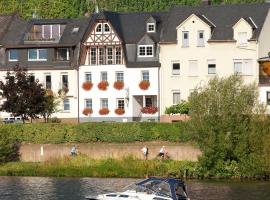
(77, 8)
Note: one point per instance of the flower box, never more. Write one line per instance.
(87, 111)
(104, 111)
(144, 85)
(119, 111)
(103, 85)
(87, 85)
(149, 110)
(119, 85)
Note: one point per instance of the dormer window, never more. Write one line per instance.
(145, 51)
(46, 32)
(242, 38)
(99, 28)
(106, 28)
(151, 27)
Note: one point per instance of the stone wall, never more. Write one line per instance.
(177, 151)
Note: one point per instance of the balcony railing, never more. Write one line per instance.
(264, 80)
(37, 37)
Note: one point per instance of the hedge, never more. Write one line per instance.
(94, 132)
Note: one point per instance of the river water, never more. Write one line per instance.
(40, 188)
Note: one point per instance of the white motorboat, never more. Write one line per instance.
(150, 189)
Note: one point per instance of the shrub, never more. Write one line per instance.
(104, 111)
(149, 110)
(144, 85)
(54, 120)
(119, 85)
(87, 111)
(9, 147)
(87, 85)
(103, 85)
(49, 92)
(119, 111)
(181, 108)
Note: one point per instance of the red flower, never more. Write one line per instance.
(87, 85)
(118, 85)
(144, 85)
(87, 111)
(103, 85)
(149, 110)
(104, 111)
(119, 111)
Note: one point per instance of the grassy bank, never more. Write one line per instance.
(93, 132)
(82, 166)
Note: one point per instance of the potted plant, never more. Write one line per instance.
(119, 85)
(144, 85)
(103, 85)
(87, 111)
(104, 111)
(87, 85)
(149, 110)
(119, 111)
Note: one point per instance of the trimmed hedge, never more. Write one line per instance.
(94, 132)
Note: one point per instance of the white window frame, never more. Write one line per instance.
(148, 27)
(38, 59)
(62, 83)
(91, 103)
(101, 28)
(101, 75)
(211, 62)
(176, 92)
(101, 103)
(67, 101)
(200, 41)
(45, 80)
(245, 68)
(12, 60)
(143, 71)
(145, 51)
(119, 72)
(67, 54)
(51, 32)
(85, 76)
(104, 28)
(242, 41)
(185, 42)
(117, 102)
(173, 71)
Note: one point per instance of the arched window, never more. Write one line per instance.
(106, 28)
(99, 28)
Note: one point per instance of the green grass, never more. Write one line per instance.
(82, 166)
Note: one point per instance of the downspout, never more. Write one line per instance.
(78, 82)
(159, 94)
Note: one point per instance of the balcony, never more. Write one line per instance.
(38, 37)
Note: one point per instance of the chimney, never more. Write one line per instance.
(206, 2)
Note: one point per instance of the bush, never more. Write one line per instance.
(9, 147)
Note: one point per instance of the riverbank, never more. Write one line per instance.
(82, 166)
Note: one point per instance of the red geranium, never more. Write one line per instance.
(119, 85)
(103, 85)
(144, 85)
(104, 111)
(149, 110)
(119, 111)
(87, 111)
(87, 85)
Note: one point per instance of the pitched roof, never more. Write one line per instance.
(5, 21)
(222, 16)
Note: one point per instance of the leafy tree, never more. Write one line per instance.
(181, 108)
(50, 106)
(222, 114)
(24, 96)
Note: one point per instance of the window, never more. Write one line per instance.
(46, 32)
(64, 81)
(176, 97)
(243, 67)
(93, 56)
(118, 55)
(149, 102)
(88, 76)
(99, 28)
(176, 69)
(104, 103)
(48, 81)
(193, 68)
(66, 104)
(62, 54)
(268, 98)
(37, 54)
(119, 76)
(211, 66)
(109, 55)
(88, 103)
(121, 103)
(145, 75)
(145, 51)
(151, 27)
(101, 56)
(200, 38)
(13, 55)
(32, 78)
(242, 38)
(103, 76)
(106, 28)
(185, 39)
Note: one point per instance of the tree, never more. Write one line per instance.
(221, 117)
(24, 95)
(50, 106)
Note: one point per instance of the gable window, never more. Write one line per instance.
(193, 68)
(88, 103)
(242, 38)
(101, 56)
(48, 81)
(109, 55)
(118, 55)
(211, 66)
(185, 39)
(151, 27)
(120, 103)
(145, 75)
(62, 54)
(66, 104)
(37, 54)
(119, 76)
(200, 38)
(104, 103)
(103, 76)
(268, 98)
(99, 28)
(93, 56)
(243, 67)
(176, 96)
(175, 68)
(13, 55)
(145, 51)
(106, 28)
(88, 76)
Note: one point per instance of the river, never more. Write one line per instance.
(41, 188)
